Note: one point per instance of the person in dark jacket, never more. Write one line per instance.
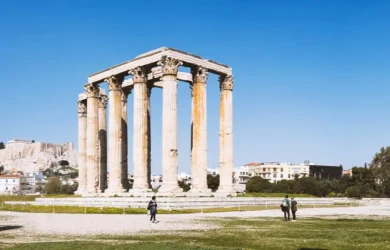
(294, 209)
(286, 208)
(152, 207)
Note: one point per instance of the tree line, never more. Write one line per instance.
(368, 181)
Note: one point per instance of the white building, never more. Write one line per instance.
(276, 171)
(213, 171)
(9, 184)
(30, 181)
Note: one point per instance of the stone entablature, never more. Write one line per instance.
(155, 56)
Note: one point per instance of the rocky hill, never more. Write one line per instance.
(39, 156)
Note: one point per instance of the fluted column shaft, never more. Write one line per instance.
(82, 140)
(125, 181)
(92, 138)
(140, 129)
(103, 142)
(115, 138)
(226, 135)
(199, 131)
(149, 139)
(169, 131)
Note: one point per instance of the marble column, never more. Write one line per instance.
(115, 139)
(226, 135)
(199, 131)
(82, 139)
(169, 132)
(92, 138)
(125, 146)
(140, 129)
(149, 139)
(102, 102)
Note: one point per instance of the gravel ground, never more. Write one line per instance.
(33, 225)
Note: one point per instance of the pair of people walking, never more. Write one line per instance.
(287, 205)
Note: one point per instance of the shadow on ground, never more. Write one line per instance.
(308, 248)
(5, 228)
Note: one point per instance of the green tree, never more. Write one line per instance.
(380, 166)
(68, 189)
(213, 182)
(184, 186)
(283, 186)
(2, 146)
(53, 185)
(1, 169)
(344, 183)
(309, 185)
(258, 185)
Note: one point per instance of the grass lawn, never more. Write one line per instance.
(264, 234)
(113, 210)
(32, 197)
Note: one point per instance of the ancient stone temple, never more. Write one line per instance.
(156, 69)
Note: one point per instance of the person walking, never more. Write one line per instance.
(286, 208)
(152, 207)
(294, 209)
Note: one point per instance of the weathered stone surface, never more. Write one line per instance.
(199, 131)
(169, 132)
(92, 144)
(226, 136)
(115, 136)
(160, 68)
(37, 156)
(141, 129)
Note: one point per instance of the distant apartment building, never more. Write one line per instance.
(9, 184)
(277, 171)
(347, 172)
(242, 175)
(185, 177)
(324, 172)
(31, 182)
(213, 171)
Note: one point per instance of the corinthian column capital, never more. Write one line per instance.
(114, 83)
(102, 101)
(82, 109)
(169, 65)
(226, 82)
(199, 74)
(91, 90)
(139, 75)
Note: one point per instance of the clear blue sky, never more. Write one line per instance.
(312, 77)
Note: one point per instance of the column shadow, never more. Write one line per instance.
(10, 227)
(149, 153)
(103, 159)
(125, 146)
(308, 248)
